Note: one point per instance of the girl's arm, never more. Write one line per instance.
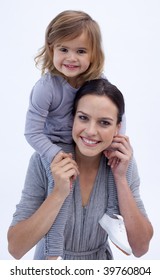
(27, 232)
(40, 103)
(139, 229)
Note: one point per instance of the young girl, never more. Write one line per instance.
(72, 54)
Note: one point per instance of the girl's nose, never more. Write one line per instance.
(72, 56)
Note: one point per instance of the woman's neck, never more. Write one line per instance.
(87, 163)
(88, 168)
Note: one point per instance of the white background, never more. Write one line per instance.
(131, 40)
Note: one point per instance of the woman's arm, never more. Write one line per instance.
(139, 229)
(26, 233)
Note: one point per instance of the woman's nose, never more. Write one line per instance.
(91, 129)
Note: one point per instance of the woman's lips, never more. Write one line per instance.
(89, 142)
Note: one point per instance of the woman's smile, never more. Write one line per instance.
(89, 142)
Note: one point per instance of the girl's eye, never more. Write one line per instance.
(81, 51)
(63, 50)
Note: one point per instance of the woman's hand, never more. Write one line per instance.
(119, 154)
(139, 229)
(64, 170)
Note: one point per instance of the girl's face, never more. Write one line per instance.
(72, 58)
(95, 124)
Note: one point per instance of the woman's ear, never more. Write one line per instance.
(117, 129)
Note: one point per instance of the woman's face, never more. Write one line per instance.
(95, 124)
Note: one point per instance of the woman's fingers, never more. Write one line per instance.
(61, 155)
(121, 144)
(63, 167)
(65, 164)
(120, 150)
(62, 159)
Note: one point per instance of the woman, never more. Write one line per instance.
(85, 171)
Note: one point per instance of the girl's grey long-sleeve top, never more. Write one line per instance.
(83, 236)
(49, 117)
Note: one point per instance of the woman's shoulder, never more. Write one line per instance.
(132, 164)
(36, 172)
(36, 165)
(35, 158)
(133, 177)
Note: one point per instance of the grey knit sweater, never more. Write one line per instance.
(83, 236)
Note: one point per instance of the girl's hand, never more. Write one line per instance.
(64, 170)
(119, 154)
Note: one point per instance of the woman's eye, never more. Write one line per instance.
(82, 118)
(104, 123)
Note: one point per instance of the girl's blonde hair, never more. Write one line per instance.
(67, 26)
